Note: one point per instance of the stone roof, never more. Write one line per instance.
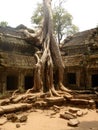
(15, 49)
(81, 38)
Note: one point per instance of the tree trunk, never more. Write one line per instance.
(50, 57)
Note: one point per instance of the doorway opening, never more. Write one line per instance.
(71, 78)
(12, 82)
(28, 82)
(95, 80)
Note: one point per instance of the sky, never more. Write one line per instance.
(15, 12)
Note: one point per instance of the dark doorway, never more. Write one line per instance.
(28, 82)
(12, 82)
(95, 80)
(71, 78)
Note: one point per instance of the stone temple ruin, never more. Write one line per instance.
(17, 62)
(80, 54)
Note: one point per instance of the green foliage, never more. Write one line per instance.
(37, 15)
(3, 23)
(62, 20)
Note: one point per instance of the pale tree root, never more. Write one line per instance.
(38, 84)
(66, 90)
(60, 80)
(63, 88)
(53, 92)
(32, 90)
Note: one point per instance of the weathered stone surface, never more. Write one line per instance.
(8, 108)
(23, 118)
(79, 113)
(97, 110)
(4, 102)
(17, 125)
(86, 42)
(79, 101)
(73, 110)
(68, 96)
(12, 117)
(54, 99)
(67, 116)
(14, 107)
(3, 121)
(1, 111)
(92, 102)
(40, 104)
(73, 122)
(55, 107)
(85, 112)
(92, 40)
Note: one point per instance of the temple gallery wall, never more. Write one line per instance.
(17, 61)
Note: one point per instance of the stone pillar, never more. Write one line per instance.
(4, 82)
(78, 79)
(21, 80)
(89, 81)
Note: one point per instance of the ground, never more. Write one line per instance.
(47, 120)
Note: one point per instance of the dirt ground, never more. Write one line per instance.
(46, 120)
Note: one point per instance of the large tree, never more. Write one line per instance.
(63, 25)
(49, 57)
(62, 20)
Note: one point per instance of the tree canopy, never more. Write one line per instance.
(62, 21)
(3, 23)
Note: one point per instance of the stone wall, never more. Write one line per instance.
(13, 78)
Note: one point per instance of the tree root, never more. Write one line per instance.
(50, 56)
(53, 92)
(63, 88)
(33, 90)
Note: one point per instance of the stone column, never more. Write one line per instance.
(78, 79)
(21, 80)
(4, 82)
(89, 80)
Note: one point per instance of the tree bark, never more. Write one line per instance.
(50, 57)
